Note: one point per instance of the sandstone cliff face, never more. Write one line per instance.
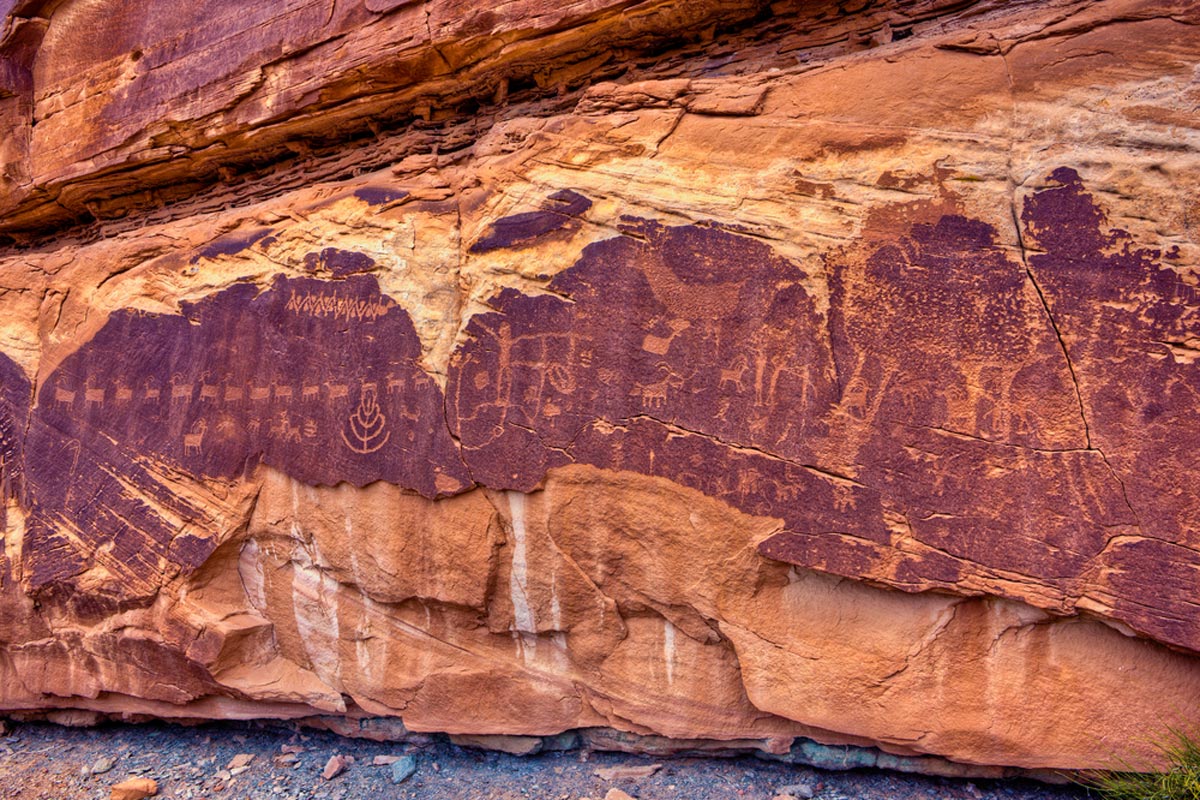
(721, 371)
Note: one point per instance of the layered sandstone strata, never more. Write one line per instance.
(723, 372)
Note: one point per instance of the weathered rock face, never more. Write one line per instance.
(714, 371)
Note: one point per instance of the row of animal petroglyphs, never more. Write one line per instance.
(366, 429)
(178, 390)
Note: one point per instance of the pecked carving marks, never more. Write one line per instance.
(1130, 321)
(14, 405)
(922, 433)
(317, 378)
(927, 436)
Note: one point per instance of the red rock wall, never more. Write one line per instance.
(733, 372)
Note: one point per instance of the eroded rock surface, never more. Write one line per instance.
(643, 371)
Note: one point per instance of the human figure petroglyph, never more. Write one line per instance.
(284, 429)
(786, 491)
(843, 498)
(748, 480)
(192, 442)
(854, 397)
(733, 374)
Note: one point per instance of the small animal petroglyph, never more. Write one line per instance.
(123, 393)
(659, 345)
(654, 395)
(259, 393)
(180, 391)
(93, 396)
(734, 373)
(310, 392)
(63, 398)
(192, 442)
(208, 391)
(337, 390)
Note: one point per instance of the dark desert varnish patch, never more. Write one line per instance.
(923, 430)
(14, 405)
(561, 213)
(1132, 328)
(379, 195)
(232, 244)
(331, 261)
(317, 378)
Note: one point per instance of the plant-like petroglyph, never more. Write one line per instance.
(366, 429)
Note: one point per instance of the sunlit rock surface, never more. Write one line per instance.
(715, 374)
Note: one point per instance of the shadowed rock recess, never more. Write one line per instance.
(813, 378)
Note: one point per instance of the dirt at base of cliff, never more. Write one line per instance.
(40, 761)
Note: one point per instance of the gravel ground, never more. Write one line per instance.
(48, 761)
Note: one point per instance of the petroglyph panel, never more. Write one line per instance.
(317, 378)
(928, 434)
(907, 408)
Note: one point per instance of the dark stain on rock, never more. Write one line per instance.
(317, 378)
(923, 431)
(338, 263)
(232, 244)
(1126, 319)
(379, 195)
(561, 213)
(14, 408)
